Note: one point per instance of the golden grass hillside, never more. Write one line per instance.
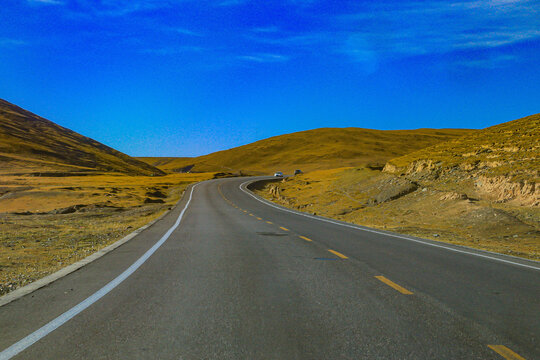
(381, 200)
(499, 163)
(64, 196)
(313, 149)
(479, 190)
(168, 164)
(32, 144)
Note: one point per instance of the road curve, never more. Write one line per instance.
(240, 279)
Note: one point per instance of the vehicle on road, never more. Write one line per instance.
(278, 174)
(297, 172)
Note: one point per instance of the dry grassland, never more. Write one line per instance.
(503, 159)
(479, 190)
(47, 223)
(317, 149)
(30, 143)
(434, 211)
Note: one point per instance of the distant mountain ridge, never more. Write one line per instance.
(32, 144)
(324, 148)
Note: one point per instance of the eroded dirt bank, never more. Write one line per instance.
(444, 210)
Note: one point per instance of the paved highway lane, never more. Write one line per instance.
(239, 279)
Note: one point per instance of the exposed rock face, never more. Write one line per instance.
(495, 188)
(420, 166)
(499, 188)
(390, 168)
(503, 163)
(274, 190)
(276, 195)
(393, 189)
(453, 196)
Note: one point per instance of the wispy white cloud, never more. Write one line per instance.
(47, 2)
(266, 29)
(7, 42)
(295, 40)
(440, 27)
(264, 58)
(380, 32)
(490, 62)
(115, 8)
(184, 31)
(173, 50)
(373, 33)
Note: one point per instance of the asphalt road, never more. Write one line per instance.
(239, 279)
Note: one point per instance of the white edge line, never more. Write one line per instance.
(248, 192)
(44, 281)
(68, 315)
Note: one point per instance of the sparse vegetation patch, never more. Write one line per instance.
(47, 223)
(434, 211)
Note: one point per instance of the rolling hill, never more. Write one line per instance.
(32, 144)
(168, 164)
(324, 148)
(501, 162)
(479, 190)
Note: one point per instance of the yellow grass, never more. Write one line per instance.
(510, 149)
(479, 190)
(30, 143)
(39, 241)
(312, 150)
(167, 164)
(432, 212)
(64, 196)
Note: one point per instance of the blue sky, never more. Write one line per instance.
(189, 77)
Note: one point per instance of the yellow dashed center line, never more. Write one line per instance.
(337, 254)
(223, 196)
(251, 215)
(394, 285)
(259, 218)
(304, 238)
(269, 222)
(282, 228)
(505, 352)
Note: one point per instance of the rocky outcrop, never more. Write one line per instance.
(500, 163)
(453, 196)
(392, 189)
(274, 191)
(501, 189)
(390, 168)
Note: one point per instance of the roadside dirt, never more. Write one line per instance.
(47, 223)
(429, 210)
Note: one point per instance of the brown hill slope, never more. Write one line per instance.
(501, 163)
(168, 164)
(32, 144)
(324, 148)
(480, 190)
